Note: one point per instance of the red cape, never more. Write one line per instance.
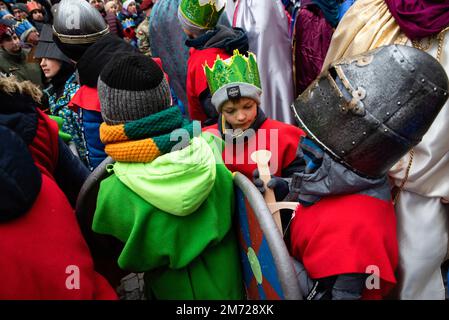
(196, 78)
(280, 138)
(86, 98)
(347, 234)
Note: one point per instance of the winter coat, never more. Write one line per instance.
(58, 106)
(44, 255)
(86, 102)
(86, 105)
(174, 216)
(17, 65)
(143, 37)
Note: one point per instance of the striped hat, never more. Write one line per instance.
(132, 87)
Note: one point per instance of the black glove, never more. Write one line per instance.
(312, 156)
(277, 184)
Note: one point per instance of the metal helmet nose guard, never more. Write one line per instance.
(367, 111)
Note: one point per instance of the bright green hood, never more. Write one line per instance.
(177, 182)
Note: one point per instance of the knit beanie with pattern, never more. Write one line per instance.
(132, 87)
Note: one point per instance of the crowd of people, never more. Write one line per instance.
(349, 96)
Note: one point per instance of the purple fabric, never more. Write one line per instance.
(313, 35)
(420, 18)
(115, 26)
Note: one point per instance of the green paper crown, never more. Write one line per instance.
(203, 15)
(238, 68)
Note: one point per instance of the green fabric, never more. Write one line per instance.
(216, 144)
(192, 168)
(166, 142)
(64, 136)
(155, 125)
(215, 275)
(185, 257)
(162, 127)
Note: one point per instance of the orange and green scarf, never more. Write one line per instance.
(146, 139)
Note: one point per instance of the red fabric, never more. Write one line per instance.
(146, 4)
(85, 98)
(346, 234)
(44, 148)
(280, 138)
(159, 63)
(312, 37)
(37, 249)
(196, 78)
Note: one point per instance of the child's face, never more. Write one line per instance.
(240, 114)
(132, 8)
(111, 7)
(37, 15)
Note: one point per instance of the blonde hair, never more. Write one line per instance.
(10, 85)
(108, 5)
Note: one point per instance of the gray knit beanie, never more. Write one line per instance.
(132, 87)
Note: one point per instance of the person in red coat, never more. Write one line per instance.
(207, 41)
(43, 253)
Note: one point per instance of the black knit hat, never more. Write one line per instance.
(132, 87)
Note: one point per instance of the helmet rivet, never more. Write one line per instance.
(353, 142)
(423, 80)
(435, 89)
(399, 103)
(388, 113)
(412, 69)
(411, 91)
(385, 130)
(364, 133)
(343, 152)
(445, 93)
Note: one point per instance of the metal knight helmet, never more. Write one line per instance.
(77, 22)
(369, 110)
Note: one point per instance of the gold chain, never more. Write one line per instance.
(407, 171)
(440, 38)
(418, 45)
